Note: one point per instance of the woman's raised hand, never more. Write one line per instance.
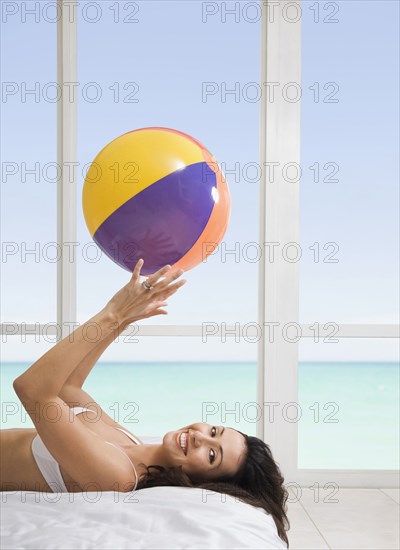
(134, 301)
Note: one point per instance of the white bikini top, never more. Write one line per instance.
(50, 468)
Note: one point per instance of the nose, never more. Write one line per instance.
(196, 437)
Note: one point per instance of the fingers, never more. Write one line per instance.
(136, 271)
(168, 279)
(169, 290)
(157, 312)
(174, 288)
(152, 279)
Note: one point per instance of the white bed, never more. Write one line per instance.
(157, 517)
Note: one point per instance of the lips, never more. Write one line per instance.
(178, 441)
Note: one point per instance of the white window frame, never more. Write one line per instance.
(277, 368)
(279, 280)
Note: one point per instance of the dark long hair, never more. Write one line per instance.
(258, 482)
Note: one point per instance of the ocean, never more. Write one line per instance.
(347, 413)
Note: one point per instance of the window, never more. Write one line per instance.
(29, 169)
(316, 220)
(354, 140)
(349, 231)
(349, 159)
(174, 65)
(348, 407)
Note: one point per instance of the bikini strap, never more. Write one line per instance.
(132, 437)
(78, 410)
(133, 466)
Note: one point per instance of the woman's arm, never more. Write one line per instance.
(46, 377)
(81, 372)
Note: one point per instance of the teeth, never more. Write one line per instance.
(183, 441)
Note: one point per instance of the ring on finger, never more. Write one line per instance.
(147, 286)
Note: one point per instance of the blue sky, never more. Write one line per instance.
(169, 53)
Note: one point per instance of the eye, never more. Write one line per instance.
(212, 453)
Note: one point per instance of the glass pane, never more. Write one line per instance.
(349, 161)
(155, 385)
(29, 164)
(171, 65)
(349, 404)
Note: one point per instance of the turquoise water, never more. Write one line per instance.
(347, 413)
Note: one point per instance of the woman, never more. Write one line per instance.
(76, 446)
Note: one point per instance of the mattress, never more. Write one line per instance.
(156, 517)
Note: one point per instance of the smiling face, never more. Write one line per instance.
(209, 452)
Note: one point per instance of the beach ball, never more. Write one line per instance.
(157, 194)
